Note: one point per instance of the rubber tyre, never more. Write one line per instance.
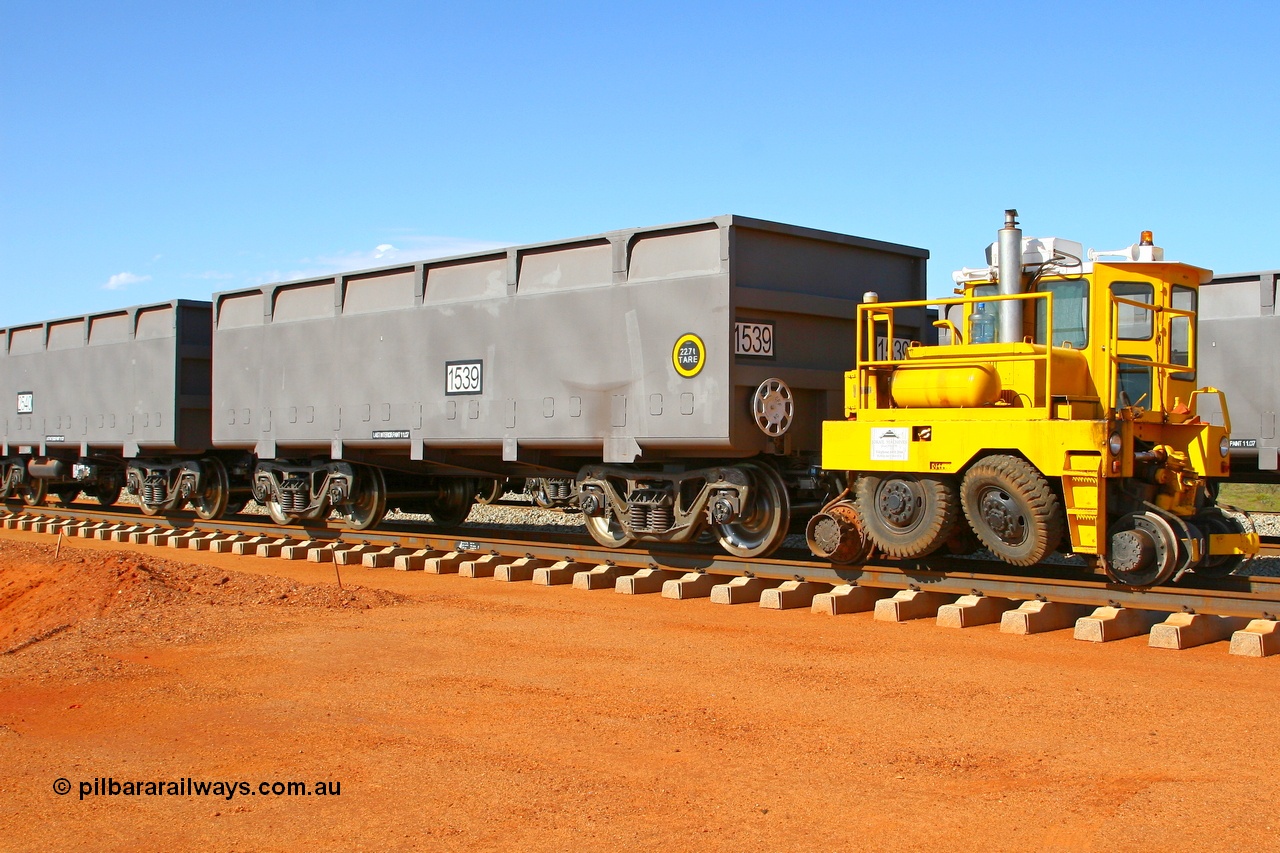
(1013, 510)
(926, 519)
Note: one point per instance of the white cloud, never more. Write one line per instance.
(121, 280)
(405, 249)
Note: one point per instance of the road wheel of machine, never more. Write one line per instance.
(1218, 565)
(215, 491)
(1143, 550)
(368, 498)
(607, 531)
(905, 515)
(452, 502)
(66, 494)
(763, 524)
(1013, 509)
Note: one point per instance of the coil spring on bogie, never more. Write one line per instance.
(650, 511)
(559, 490)
(295, 495)
(155, 489)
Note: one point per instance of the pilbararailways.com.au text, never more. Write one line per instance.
(106, 786)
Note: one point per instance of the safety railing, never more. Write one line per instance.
(875, 318)
(1161, 343)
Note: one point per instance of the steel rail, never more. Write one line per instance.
(1242, 596)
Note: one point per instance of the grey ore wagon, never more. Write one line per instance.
(112, 399)
(1239, 333)
(670, 379)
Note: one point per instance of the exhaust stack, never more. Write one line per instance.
(1009, 277)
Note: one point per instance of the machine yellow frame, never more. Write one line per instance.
(940, 409)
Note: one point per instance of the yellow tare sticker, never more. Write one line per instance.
(689, 355)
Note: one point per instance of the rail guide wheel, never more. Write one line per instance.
(1218, 565)
(1012, 509)
(1143, 550)
(836, 534)
(907, 516)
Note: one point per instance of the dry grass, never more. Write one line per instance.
(1251, 496)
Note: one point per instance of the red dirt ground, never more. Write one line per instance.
(468, 715)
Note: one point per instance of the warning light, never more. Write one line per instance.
(1146, 239)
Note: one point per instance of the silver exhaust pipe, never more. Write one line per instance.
(1009, 274)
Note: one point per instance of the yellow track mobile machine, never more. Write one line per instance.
(1061, 413)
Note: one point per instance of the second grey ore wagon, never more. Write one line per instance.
(674, 379)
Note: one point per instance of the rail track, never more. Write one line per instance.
(960, 592)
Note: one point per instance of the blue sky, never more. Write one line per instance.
(157, 150)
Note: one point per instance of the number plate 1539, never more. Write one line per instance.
(464, 377)
(753, 339)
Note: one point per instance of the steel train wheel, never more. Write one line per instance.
(104, 495)
(278, 515)
(538, 491)
(452, 502)
(212, 500)
(65, 493)
(368, 498)
(607, 531)
(763, 525)
(34, 491)
(1012, 509)
(491, 491)
(1143, 550)
(907, 515)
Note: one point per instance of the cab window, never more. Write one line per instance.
(1184, 299)
(982, 316)
(1136, 324)
(1134, 384)
(1070, 313)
